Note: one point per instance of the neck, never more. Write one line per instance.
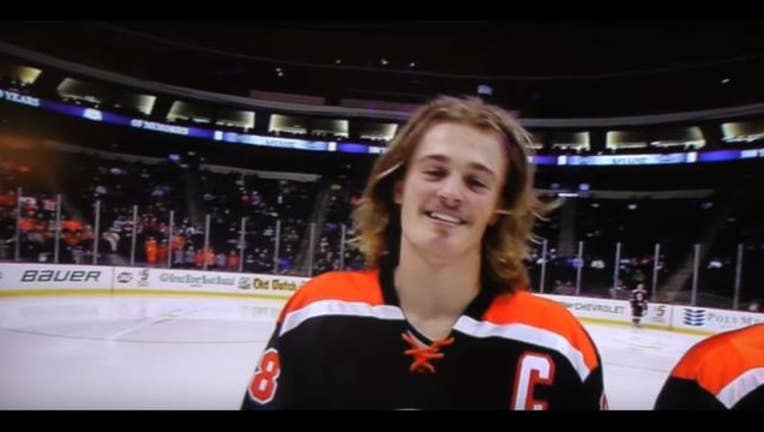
(436, 289)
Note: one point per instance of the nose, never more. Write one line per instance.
(450, 192)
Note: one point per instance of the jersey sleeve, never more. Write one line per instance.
(724, 371)
(290, 371)
(282, 377)
(682, 394)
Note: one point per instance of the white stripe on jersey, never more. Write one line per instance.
(736, 390)
(338, 307)
(528, 334)
(520, 332)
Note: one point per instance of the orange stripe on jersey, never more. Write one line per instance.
(522, 307)
(342, 286)
(717, 361)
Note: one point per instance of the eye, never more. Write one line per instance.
(477, 184)
(434, 173)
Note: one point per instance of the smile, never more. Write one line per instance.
(444, 218)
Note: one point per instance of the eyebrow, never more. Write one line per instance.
(445, 159)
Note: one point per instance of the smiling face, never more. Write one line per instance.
(451, 190)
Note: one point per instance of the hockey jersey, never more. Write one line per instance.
(343, 342)
(725, 371)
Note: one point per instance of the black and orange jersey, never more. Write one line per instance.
(725, 371)
(343, 342)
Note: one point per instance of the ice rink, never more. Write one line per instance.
(165, 352)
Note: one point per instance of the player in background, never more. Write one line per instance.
(638, 303)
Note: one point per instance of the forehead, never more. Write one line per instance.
(463, 144)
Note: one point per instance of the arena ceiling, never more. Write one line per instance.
(548, 69)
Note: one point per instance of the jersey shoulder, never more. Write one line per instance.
(341, 286)
(549, 320)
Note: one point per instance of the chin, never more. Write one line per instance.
(445, 246)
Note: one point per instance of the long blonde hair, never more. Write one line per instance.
(505, 243)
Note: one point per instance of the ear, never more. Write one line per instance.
(398, 192)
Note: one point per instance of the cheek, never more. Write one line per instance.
(417, 193)
(487, 206)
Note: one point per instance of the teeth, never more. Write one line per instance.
(445, 217)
